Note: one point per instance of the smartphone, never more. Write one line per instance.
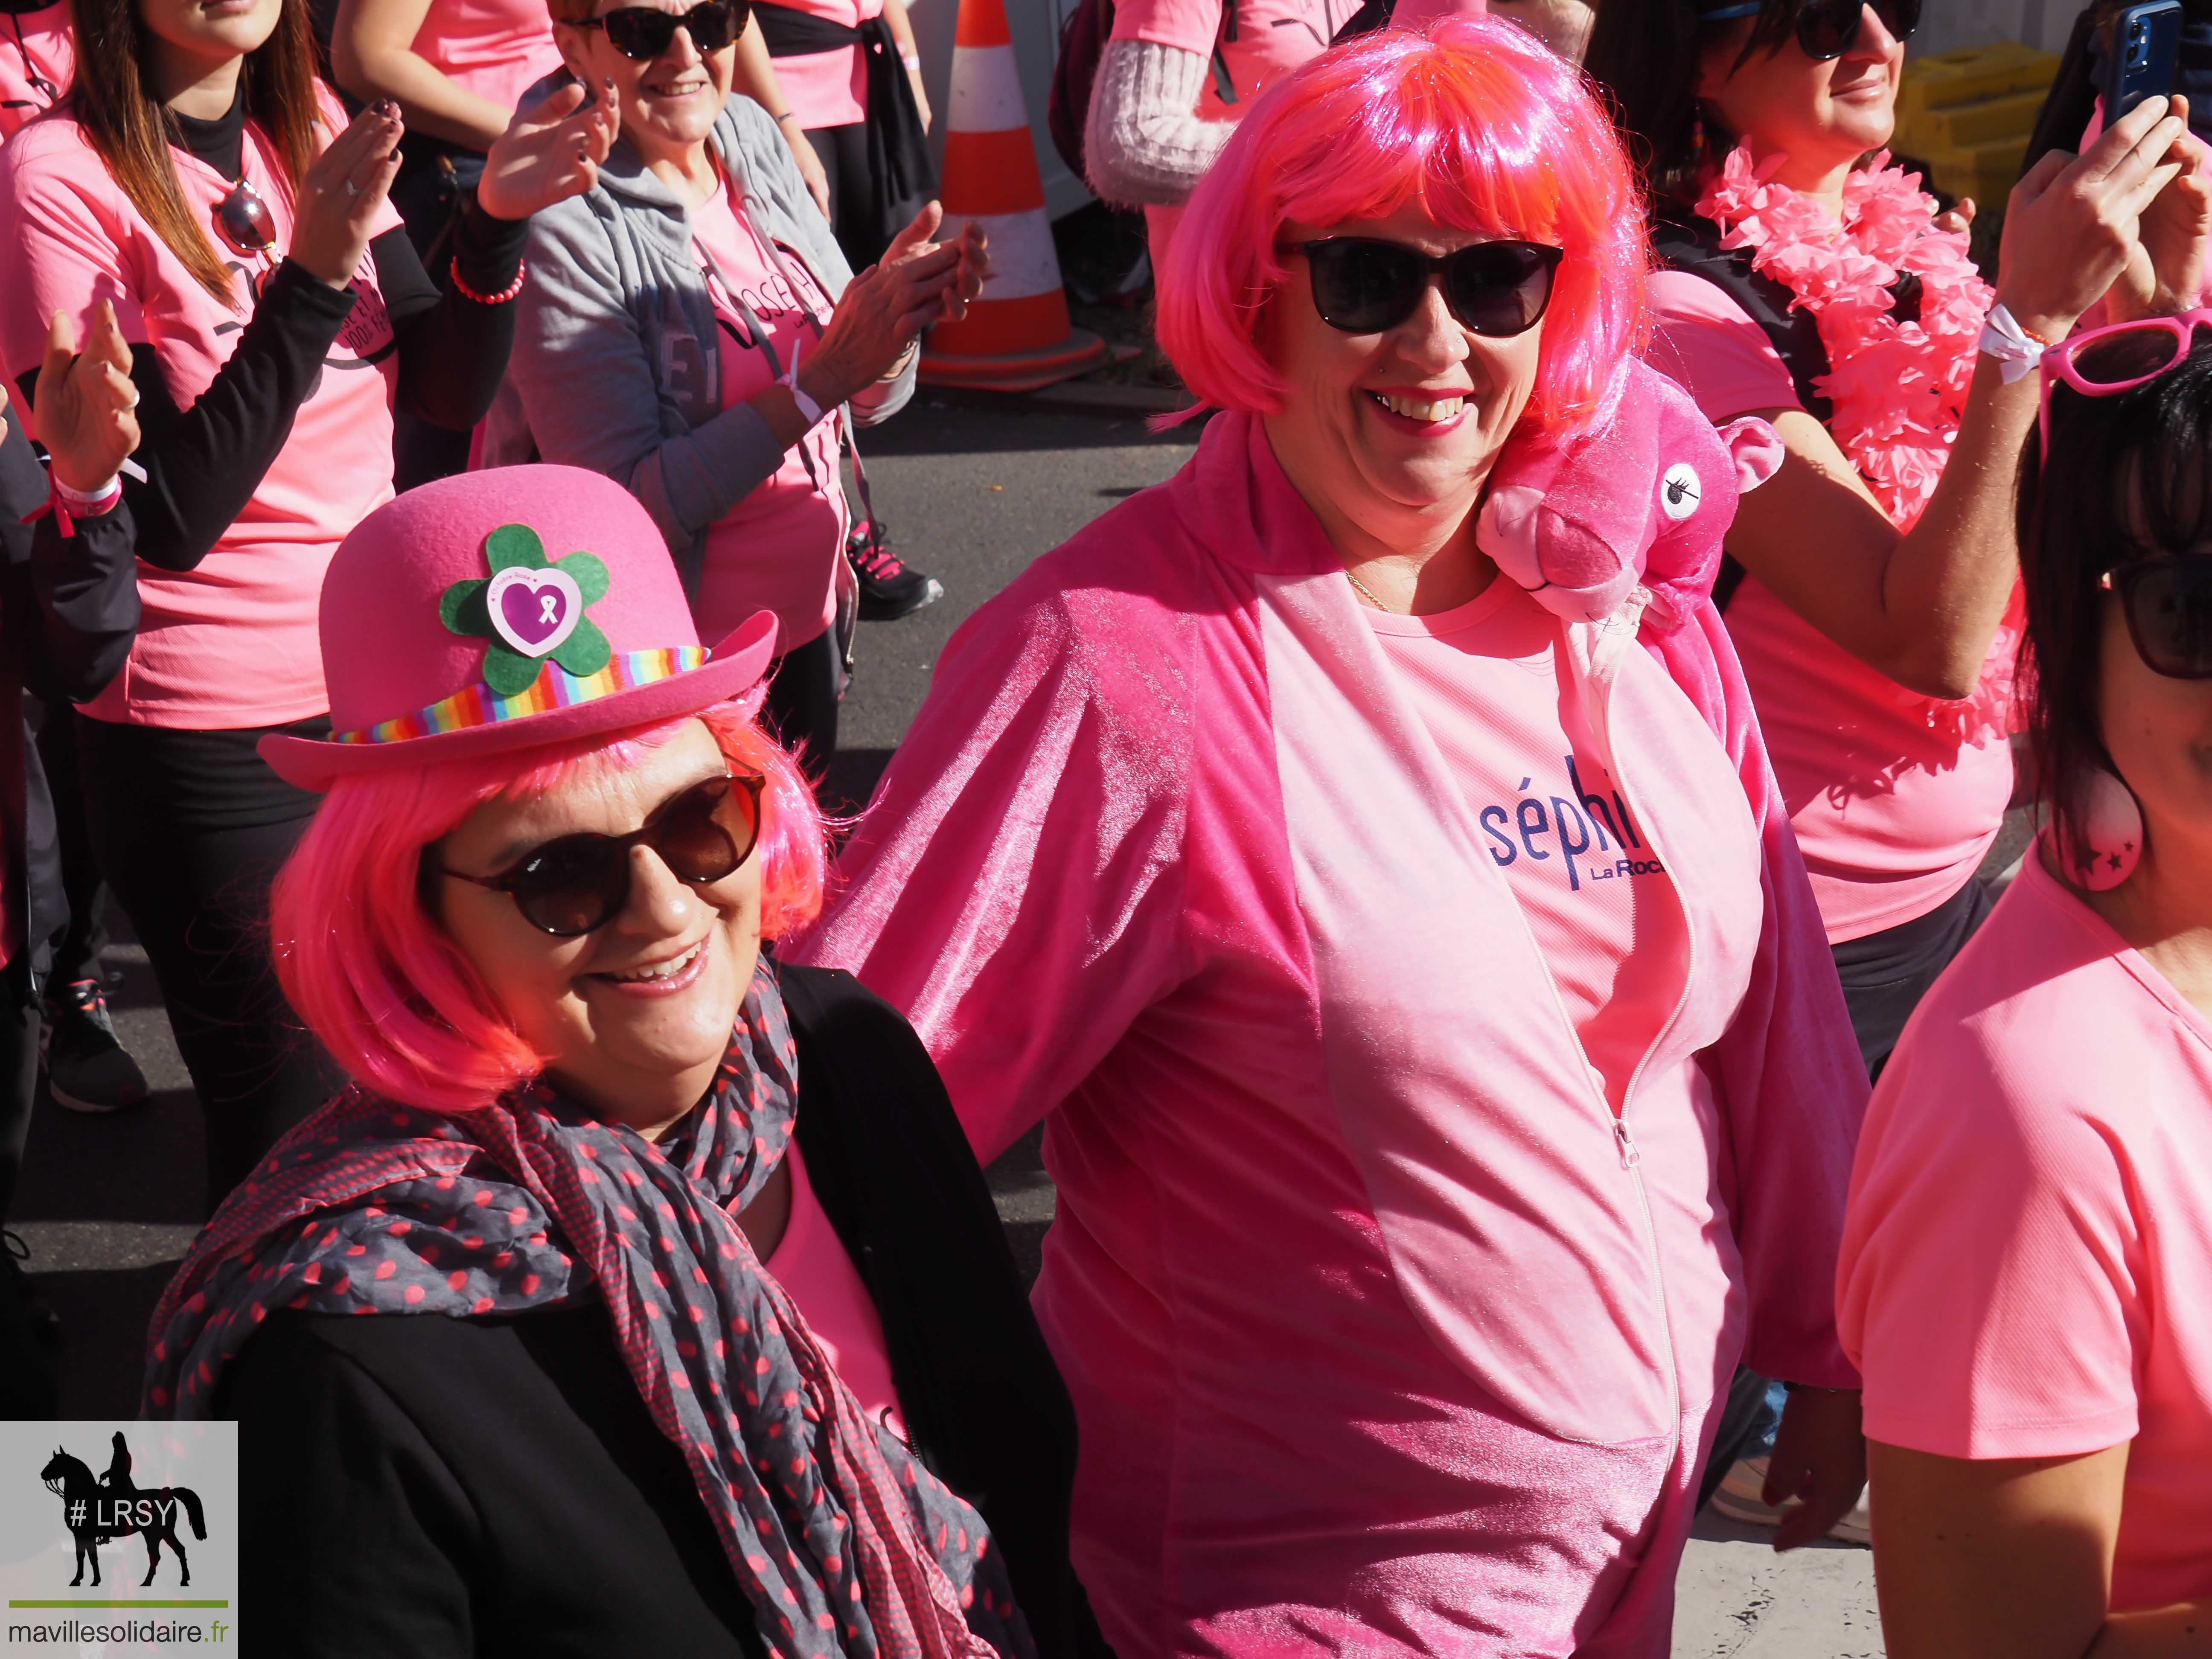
(2140, 64)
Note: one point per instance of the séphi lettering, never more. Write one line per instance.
(1583, 824)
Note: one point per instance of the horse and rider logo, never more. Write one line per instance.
(99, 1511)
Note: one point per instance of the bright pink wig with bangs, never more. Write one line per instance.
(1477, 121)
(369, 969)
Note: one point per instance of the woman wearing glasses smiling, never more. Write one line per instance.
(201, 179)
(1871, 586)
(1436, 1049)
(2029, 1250)
(692, 330)
(694, 1329)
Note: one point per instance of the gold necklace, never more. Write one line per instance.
(1366, 592)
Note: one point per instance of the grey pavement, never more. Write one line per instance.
(972, 489)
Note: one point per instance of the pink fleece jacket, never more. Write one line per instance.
(1384, 1335)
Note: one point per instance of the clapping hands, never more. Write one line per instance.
(549, 152)
(83, 403)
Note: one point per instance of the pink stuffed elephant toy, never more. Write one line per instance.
(1644, 499)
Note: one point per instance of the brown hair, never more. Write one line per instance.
(571, 11)
(129, 129)
(1643, 55)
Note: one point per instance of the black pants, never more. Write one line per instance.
(801, 708)
(844, 155)
(191, 827)
(429, 197)
(77, 952)
(19, 1071)
(1885, 975)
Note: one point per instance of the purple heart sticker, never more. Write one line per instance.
(534, 611)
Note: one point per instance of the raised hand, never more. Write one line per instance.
(2071, 225)
(549, 152)
(342, 191)
(886, 307)
(2165, 273)
(83, 404)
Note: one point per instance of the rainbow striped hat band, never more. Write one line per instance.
(554, 688)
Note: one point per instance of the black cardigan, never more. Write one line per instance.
(439, 1487)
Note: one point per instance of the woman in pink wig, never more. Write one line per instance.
(692, 1328)
(1442, 1069)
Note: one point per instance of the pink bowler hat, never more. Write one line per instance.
(504, 610)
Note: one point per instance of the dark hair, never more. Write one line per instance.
(112, 102)
(1643, 55)
(2130, 478)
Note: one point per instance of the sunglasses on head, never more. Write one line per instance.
(643, 32)
(2107, 361)
(569, 886)
(242, 219)
(1829, 29)
(1362, 286)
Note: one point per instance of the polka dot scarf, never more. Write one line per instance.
(845, 1544)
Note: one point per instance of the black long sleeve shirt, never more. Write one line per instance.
(203, 464)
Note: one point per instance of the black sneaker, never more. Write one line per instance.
(888, 589)
(30, 1338)
(86, 1069)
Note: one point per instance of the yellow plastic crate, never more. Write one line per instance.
(1966, 73)
(1985, 172)
(1986, 120)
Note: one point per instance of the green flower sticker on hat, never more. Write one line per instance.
(531, 610)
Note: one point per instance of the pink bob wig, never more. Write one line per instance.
(1473, 119)
(370, 969)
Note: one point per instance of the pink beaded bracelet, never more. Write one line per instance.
(498, 299)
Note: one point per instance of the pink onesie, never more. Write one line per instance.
(1386, 1334)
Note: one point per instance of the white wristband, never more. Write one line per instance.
(85, 500)
(2017, 353)
(911, 59)
(807, 407)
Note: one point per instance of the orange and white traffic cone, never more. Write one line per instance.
(1016, 336)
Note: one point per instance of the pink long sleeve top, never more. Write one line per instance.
(1385, 1334)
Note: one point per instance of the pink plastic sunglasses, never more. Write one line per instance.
(2120, 358)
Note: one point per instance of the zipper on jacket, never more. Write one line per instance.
(1624, 1139)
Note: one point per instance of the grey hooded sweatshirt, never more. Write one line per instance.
(617, 364)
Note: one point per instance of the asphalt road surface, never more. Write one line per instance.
(972, 489)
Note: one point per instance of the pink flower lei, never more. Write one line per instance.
(1899, 389)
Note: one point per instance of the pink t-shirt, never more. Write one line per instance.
(810, 1260)
(38, 53)
(232, 642)
(2027, 1253)
(1484, 678)
(1895, 797)
(496, 49)
(1273, 37)
(828, 89)
(777, 550)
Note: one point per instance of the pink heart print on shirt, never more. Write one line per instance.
(534, 611)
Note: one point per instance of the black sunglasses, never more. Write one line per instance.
(2168, 605)
(1829, 29)
(643, 32)
(244, 221)
(1362, 286)
(572, 885)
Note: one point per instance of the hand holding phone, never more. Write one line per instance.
(2140, 61)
